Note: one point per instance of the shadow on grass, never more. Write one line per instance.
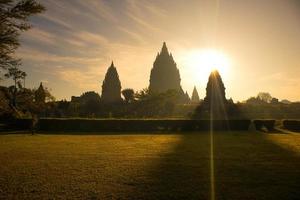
(254, 167)
(183, 173)
(247, 166)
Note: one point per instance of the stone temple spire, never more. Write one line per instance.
(40, 94)
(195, 96)
(215, 89)
(111, 87)
(164, 49)
(164, 74)
(215, 101)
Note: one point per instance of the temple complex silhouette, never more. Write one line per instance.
(164, 77)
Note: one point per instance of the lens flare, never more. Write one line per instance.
(200, 63)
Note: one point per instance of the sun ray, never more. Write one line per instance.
(201, 62)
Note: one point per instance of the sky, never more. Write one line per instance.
(71, 45)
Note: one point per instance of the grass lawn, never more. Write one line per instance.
(135, 166)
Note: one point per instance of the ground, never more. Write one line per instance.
(247, 165)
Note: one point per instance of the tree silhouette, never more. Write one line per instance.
(195, 96)
(128, 94)
(17, 75)
(111, 87)
(264, 96)
(89, 103)
(13, 20)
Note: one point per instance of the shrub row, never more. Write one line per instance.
(293, 125)
(86, 125)
(268, 124)
(18, 124)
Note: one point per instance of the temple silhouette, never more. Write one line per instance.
(111, 87)
(164, 74)
(164, 77)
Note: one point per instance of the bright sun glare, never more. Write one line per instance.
(202, 62)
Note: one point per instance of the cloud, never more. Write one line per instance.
(74, 42)
(41, 36)
(84, 81)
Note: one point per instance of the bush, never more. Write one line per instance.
(19, 124)
(268, 124)
(90, 125)
(293, 125)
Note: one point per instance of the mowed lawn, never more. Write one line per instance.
(138, 166)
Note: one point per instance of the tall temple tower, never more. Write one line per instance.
(215, 102)
(164, 74)
(215, 90)
(195, 97)
(111, 87)
(40, 94)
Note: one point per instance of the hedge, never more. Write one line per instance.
(18, 124)
(88, 125)
(292, 125)
(268, 124)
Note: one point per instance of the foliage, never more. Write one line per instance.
(14, 17)
(128, 94)
(17, 75)
(144, 125)
(268, 124)
(152, 104)
(255, 100)
(293, 125)
(90, 104)
(26, 106)
(265, 97)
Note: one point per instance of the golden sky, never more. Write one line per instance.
(73, 43)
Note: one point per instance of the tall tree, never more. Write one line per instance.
(14, 16)
(195, 96)
(265, 97)
(111, 87)
(17, 75)
(89, 103)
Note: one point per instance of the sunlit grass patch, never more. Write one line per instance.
(247, 166)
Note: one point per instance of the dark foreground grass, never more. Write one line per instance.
(246, 165)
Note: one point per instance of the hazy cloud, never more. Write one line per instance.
(73, 42)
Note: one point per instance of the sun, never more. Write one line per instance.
(201, 62)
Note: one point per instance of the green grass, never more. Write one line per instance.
(246, 165)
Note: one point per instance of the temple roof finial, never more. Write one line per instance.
(164, 48)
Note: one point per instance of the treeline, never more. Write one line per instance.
(144, 104)
(141, 104)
